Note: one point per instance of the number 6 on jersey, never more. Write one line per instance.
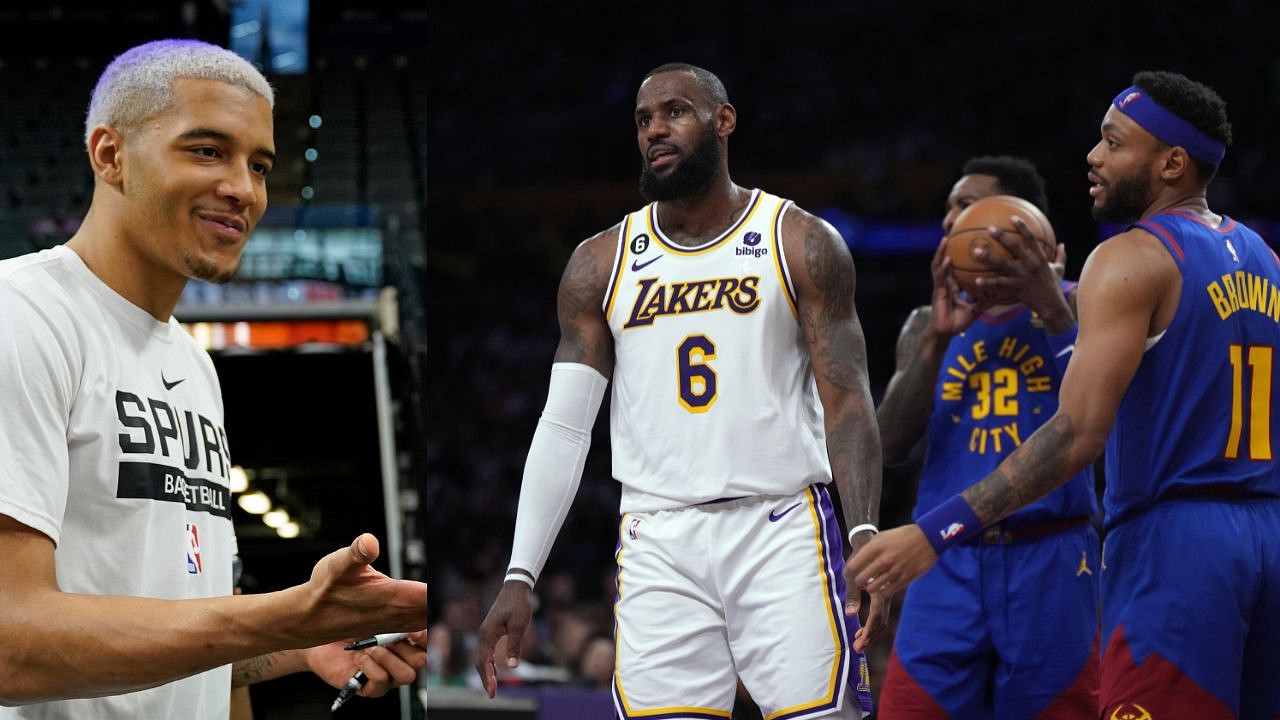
(696, 379)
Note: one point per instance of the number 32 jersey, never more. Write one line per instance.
(713, 388)
(998, 383)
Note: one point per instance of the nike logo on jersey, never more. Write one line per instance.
(170, 385)
(776, 516)
(637, 266)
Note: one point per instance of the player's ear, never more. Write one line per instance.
(1176, 164)
(105, 154)
(726, 120)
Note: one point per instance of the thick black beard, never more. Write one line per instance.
(692, 175)
(1126, 201)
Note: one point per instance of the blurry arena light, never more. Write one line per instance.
(239, 479)
(288, 531)
(315, 121)
(276, 519)
(308, 192)
(203, 333)
(311, 154)
(254, 503)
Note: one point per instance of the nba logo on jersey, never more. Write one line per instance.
(635, 525)
(195, 565)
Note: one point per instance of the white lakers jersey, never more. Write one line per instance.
(713, 389)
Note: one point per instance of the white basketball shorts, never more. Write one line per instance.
(750, 588)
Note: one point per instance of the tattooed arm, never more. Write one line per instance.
(385, 666)
(822, 269)
(266, 667)
(904, 410)
(1128, 291)
(584, 333)
(553, 469)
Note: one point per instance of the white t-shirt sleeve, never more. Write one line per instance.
(36, 392)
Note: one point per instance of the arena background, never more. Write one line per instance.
(299, 336)
(862, 112)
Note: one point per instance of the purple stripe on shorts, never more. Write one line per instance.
(832, 565)
(833, 560)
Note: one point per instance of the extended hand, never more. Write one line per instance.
(877, 614)
(1029, 274)
(346, 598)
(892, 560)
(510, 616)
(876, 624)
(952, 313)
(386, 667)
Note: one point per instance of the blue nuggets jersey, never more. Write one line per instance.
(998, 383)
(1199, 410)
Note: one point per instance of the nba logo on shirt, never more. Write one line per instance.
(195, 566)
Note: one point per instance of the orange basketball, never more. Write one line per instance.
(970, 232)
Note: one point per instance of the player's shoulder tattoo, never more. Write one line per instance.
(827, 261)
(912, 329)
(586, 276)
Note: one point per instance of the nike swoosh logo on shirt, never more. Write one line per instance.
(637, 266)
(775, 517)
(170, 385)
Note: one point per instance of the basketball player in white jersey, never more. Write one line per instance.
(116, 540)
(725, 318)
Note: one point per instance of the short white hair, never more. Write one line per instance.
(139, 83)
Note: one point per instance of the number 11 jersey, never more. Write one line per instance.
(713, 390)
(1199, 411)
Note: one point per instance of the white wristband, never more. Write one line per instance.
(519, 576)
(859, 528)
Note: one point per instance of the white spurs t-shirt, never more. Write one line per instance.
(112, 444)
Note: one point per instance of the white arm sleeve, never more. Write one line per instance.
(553, 468)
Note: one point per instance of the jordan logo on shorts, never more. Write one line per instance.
(1084, 566)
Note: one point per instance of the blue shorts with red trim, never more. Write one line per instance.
(1191, 611)
(1000, 631)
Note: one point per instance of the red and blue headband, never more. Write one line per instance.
(1170, 128)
